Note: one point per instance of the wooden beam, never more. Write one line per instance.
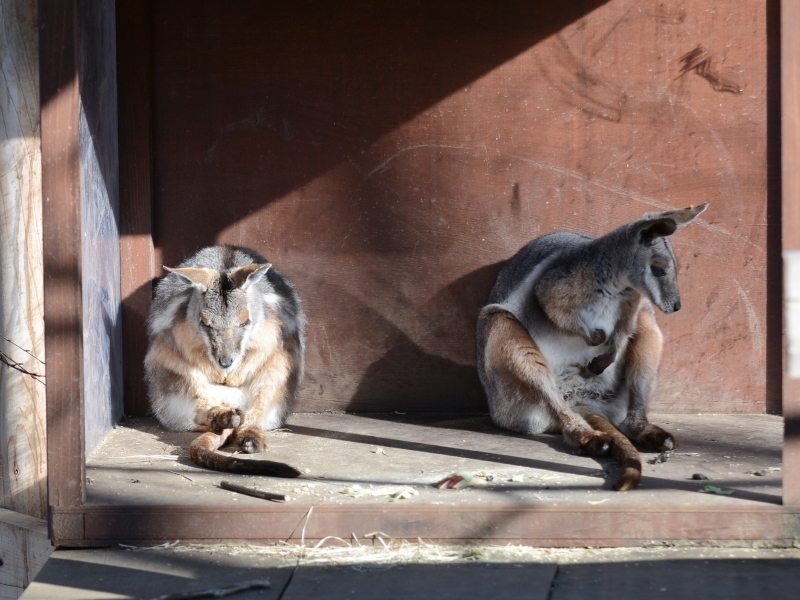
(790, 136)
(552, 526)
(61, 229)
(24, 548)
(134, 75)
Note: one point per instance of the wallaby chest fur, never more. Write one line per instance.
(568, 341)
(226, 351)
(603, 301)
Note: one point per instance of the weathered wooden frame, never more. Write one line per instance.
(75, 523)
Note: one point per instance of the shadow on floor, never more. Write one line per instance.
(633, 574)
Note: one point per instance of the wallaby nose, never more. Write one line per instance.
(677, 306)
(224, 362)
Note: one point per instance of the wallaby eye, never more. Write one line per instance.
(657, 271)
(245, 323)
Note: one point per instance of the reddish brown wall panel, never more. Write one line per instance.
(389, 157)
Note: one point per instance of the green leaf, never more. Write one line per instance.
(712, 489)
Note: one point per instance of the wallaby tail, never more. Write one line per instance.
(622, 451)
(203, 451)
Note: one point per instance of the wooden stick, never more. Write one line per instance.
(226, 485)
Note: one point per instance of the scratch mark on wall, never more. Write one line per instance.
(626, 193)
(756, 333)
(254, 121)
(699, 61)
(578, 86)
(386, 162)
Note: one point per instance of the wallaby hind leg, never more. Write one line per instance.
(641, 367)
(522, 392)
(274, 384)
(623, 452)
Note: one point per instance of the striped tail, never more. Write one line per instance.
(203, 451)
(622, 451)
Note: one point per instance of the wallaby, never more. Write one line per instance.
(569, 342)
(226, 353)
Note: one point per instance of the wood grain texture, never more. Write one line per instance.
(134, 56)
(565, 526)
(389, 159)
(23, 461)
(62, 237)
(99, 191)
(24, 548)
(790, 93)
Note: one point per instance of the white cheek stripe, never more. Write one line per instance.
(652, 286)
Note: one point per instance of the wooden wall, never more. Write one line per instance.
(389, 157)
(23, 464)
(99, 189)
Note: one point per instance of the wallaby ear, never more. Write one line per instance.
(655, 225)
(201, 279)
(646, 230)
(682, 216)
(244, 277)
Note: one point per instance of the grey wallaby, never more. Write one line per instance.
(569, 342)
(226, 354)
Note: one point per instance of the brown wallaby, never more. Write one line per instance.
(225, 355)
(569, 342)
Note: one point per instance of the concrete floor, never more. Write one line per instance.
(417, 571)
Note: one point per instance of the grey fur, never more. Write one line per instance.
(214, 313)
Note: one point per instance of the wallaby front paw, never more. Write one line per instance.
(594, 443)
(656, 439)
(601, 363)
(251, 439)
(223, 417)
(596, 337)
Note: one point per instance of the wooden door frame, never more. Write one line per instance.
(73, 523)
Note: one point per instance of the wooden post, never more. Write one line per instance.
(790, 95)
(61, 217)
(23, 466)
(134, 57)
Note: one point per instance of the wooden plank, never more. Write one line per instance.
(790, 94)
(23, 461)
(389, 162)
(24, 548)
(61, 228)
(774, 273)
(134, 56)
(100, 259)
(558, 526)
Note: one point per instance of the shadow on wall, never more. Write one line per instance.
(438, 383)
(254, 103)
